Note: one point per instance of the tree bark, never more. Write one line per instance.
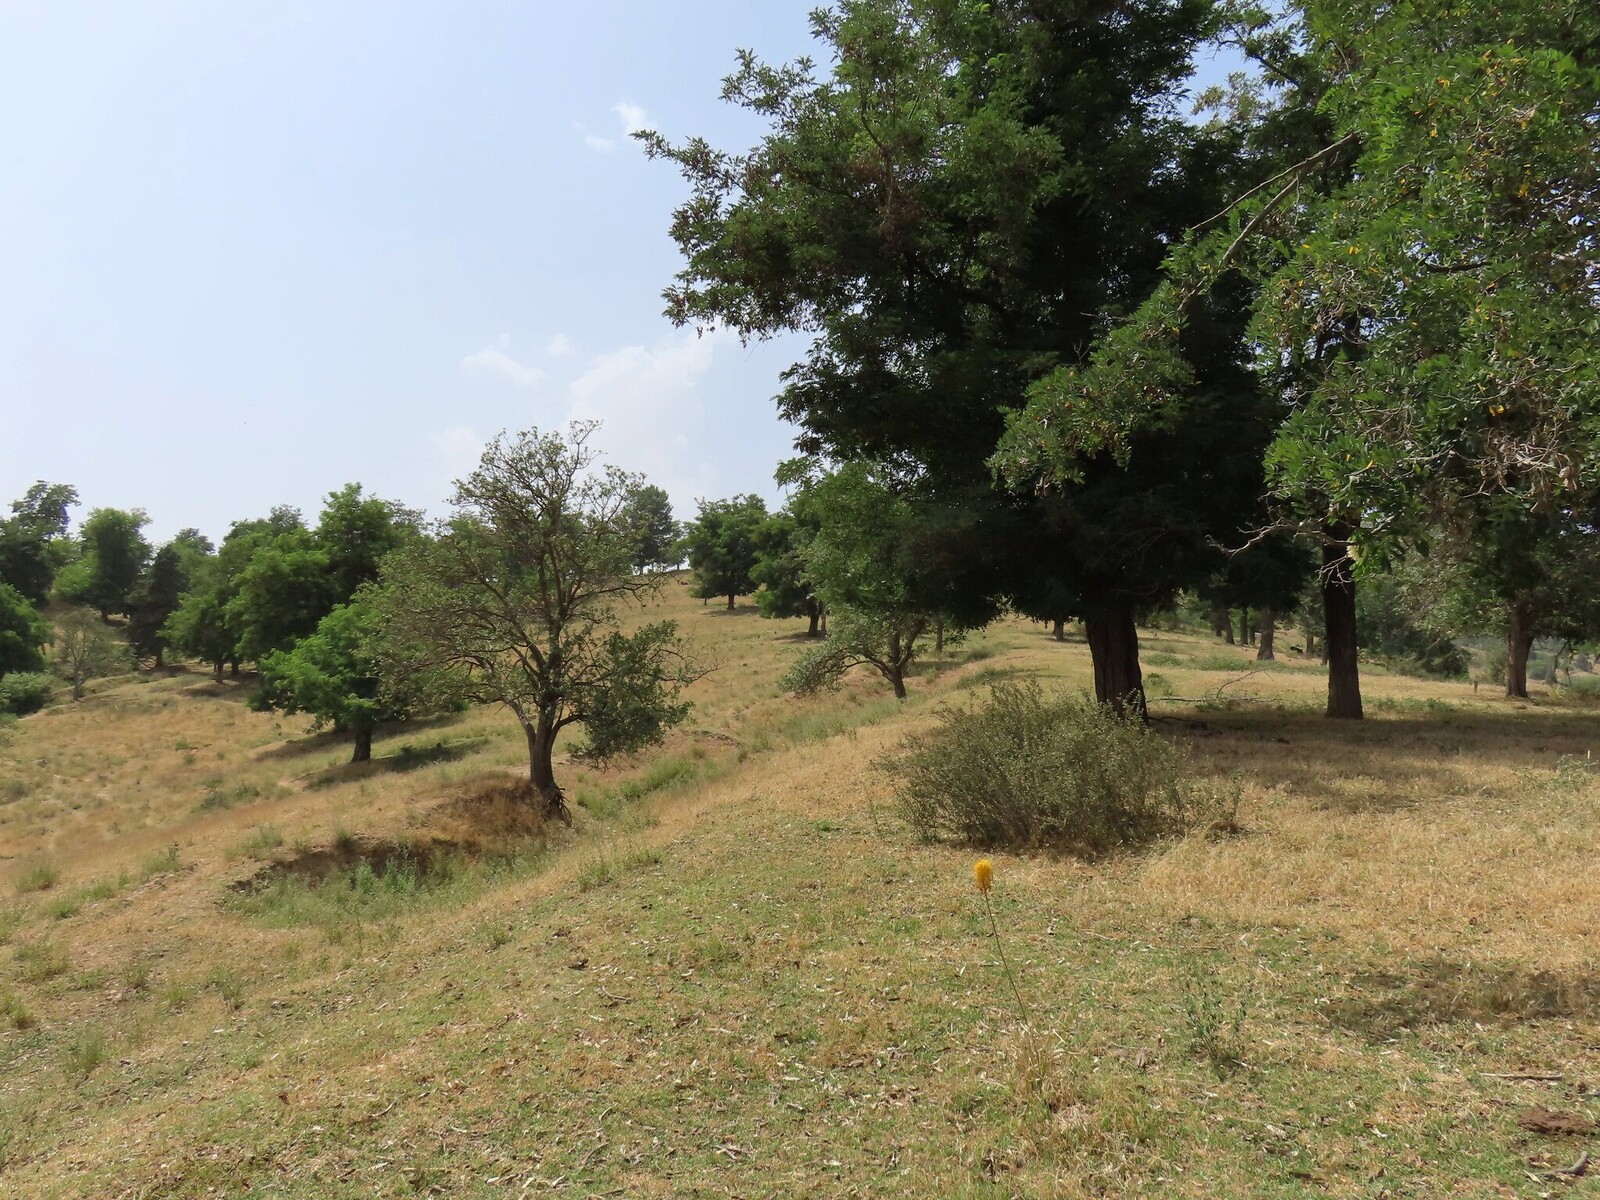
(730, 601)
(216, 670)
(363, 746)
(541, 768)
(1519, 645)
(1060, 631)
(938, 637)
(1269, 628)
(1114, 649)
(1311, 643)
(1225, 625)
(897, 678)
(1244, 627)
(1339, 632)
(816, 615)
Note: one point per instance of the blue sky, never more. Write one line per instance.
(252, 251)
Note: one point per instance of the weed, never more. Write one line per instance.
(1064, 772)
(15, 1013)
(263, 842)
(62, 906)
(229, 984)
(40, 875)
(86, 1052)
(1213, 1020)
(10, 921)
(136, 975)
(160, 864)
(495, 934)
(175, 996)
(1575, 770)
(42, 960)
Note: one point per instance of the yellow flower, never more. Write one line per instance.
(982, 874)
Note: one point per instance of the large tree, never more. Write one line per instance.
(951, 211)
(650, 513)
(521, 599)
(114, 554)
(722, 544)
(33, 540)
(23, 633)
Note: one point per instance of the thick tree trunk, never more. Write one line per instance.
(730, 601)
(541, 768)
(1519, 645)
(1060, 630)
(1269, 628)
(1311, 643)
(159, 663)
(897, 678)
(1244, 627)
(216, 670)
(938, 637)
(816, 616)
(1226, 622)
(1339, 632)
(363, 746)
(233, 668)
(1114, 648)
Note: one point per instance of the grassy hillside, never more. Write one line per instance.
(235, 964)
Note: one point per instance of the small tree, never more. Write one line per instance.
(154, 599)
(85, 649)
(114, 556)
(780, 571)
(332, 677)
(22, 633)
(517, 600)
(722, 546)
(33, 539)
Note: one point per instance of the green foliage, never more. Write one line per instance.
(780, 570)
(33, 541)
(332, 677)
(722, 546)
(24, 692)
(1387, 626)
(39, 875)
(518, 600)
(155, 597)
(114, 554)
(649, 512)
(23, 633)
(1065, 772)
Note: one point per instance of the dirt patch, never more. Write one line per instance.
(1561, 1124)
(1440, 992)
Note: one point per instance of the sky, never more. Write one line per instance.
(252, 251)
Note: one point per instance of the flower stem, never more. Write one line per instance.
(994, 927)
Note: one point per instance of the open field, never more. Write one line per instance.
(739, 975)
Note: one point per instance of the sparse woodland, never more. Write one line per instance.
(1192, 516)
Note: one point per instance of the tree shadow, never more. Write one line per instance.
(407, 758)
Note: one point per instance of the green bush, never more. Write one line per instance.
(1059, 771)
(25, 692)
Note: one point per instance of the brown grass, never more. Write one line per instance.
(738, 976)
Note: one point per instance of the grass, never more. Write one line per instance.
(740, 975)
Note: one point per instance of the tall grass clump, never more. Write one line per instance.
(24, 692)
(1026, 769)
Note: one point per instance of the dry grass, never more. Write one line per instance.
(738, 977)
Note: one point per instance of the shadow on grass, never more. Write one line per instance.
(407, 758)
(1438, 992)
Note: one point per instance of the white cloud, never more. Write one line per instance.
(634, 118)
(599, 144)
(498, 359)
(647, 399)
(560, 346)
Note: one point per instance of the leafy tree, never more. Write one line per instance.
(1388, 626)
(780, 571)
(869, 560)
(355, 531)
(154, 599)
(288, 584)
(86, 649)
(332, 677)
(722, 546)
(114, 554)
(650, 513)
(23, 633)
(208, 622)
(950, 211)
(518, 599)
(32, 539)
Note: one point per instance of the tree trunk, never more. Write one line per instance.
(816, 616)
(1244, 627)
(1339, 631)
(1227, 626)
(1269, 627)
(1114, 648)
(1519, 645)
(897, 678)
(216, 669)
(363, 747)
(1311, 643)
(233, 668)
(159, 663)
(541, 768)
(1060, 631)
(730, 601)
(938, 637)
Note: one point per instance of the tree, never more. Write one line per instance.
(953, 211)
(873, 570)
(154, 599)
(23, 633)
(721, 542)
(208, 622)
(650, 513)
(780, 571)
(355, 531)
(32, 539)
(85, 649)
(332, 677)
(114, 555)
(519, 599)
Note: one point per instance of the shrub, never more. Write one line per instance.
(25, 692)
(1060, 771)
(38, 875)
